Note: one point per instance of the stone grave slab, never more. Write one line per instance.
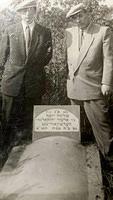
(52, 168)
(55, 166)
(56, 120)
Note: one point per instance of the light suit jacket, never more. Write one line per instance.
(21, 70)
(92, 65)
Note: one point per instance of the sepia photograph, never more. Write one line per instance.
(56, 100)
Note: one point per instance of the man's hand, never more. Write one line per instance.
(106, 90)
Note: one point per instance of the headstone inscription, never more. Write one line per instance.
(56, 120)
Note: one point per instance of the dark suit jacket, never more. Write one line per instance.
(92, 66)
(20, 69)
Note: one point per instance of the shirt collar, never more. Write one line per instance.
(88, 28)
(30, 25)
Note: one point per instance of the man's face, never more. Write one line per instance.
(28, 14)
(82, 19)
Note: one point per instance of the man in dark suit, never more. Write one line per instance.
(90, 78)
(25, 49)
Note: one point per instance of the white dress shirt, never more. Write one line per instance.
(31, 26)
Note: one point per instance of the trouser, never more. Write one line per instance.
(17, 114)
(98, 116)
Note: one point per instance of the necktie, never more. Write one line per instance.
(81, 38)
(28, 39)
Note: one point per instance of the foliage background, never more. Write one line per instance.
(51, 13)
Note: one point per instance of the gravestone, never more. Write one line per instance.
(56, 165)
(56, 120)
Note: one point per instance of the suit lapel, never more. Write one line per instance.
(88, 41)
(85, 48)
(21, 38)
(35, 41)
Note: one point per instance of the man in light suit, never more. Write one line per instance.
(25, 49)
(90, 77)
